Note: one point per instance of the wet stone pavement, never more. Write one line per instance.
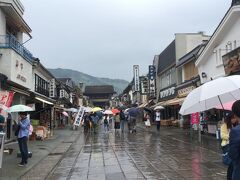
(144, 155)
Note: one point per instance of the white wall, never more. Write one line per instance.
(212, 64)
(8, 67)
(2, 25)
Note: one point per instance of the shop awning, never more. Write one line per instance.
(170, 102)
(44, 101)
(143, 105)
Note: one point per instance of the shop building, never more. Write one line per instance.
(40, 99)
(190, 77)
(168, 76)
(126, 97)
(15, 60)
(220, 57)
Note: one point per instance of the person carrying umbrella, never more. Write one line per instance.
(122, 120)
(106, 123)
(23, 133)
(158, 119)
(133, 113)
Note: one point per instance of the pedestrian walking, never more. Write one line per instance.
(147, 122)
(23, 133)
(106, 123)
(94, 120)
(117, 122)
(234, 142)
(229, 123)
(122, 120)
(158, 119)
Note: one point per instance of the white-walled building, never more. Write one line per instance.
(217, 59)
(15, 59)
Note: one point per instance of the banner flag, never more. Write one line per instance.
(79, 116)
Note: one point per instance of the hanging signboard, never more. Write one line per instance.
(136, 78)
(2, 136)
(6, 98)
(152, 81)
(168, 93)
(231, 62)
(79, 116)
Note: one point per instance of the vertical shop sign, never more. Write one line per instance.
(136, 78)
(79, 116)
(152, 81)
(6, 98)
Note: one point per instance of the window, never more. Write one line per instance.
(41, 86)
(168, 78)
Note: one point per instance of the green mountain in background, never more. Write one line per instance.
(118, 84)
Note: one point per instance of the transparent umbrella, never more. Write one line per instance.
(19, 108)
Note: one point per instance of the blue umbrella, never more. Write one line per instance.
(133, 111)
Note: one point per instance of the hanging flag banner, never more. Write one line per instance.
(6, 98)
(79, 116)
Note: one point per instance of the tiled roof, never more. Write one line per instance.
(167, 58)
(104, 89)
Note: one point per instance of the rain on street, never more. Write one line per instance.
(169, 154)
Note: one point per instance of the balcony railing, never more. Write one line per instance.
(9, 41)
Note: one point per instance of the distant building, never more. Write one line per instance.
(99, 95)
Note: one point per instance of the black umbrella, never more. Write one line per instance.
(147, 109)
(122, 107)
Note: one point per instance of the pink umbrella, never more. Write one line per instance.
(226, 106)
(65, 113)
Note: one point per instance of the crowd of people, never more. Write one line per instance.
(91, 121)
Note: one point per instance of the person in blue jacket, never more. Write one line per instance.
(234, 142)
(23, 133)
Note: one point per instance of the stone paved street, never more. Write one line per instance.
(170, 154)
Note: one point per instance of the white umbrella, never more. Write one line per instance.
(19, 108)
(88, 109)
(108, 112)
(72, 110)
(158, 108)
(211, 94)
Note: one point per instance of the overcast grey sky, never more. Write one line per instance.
(105, 38)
